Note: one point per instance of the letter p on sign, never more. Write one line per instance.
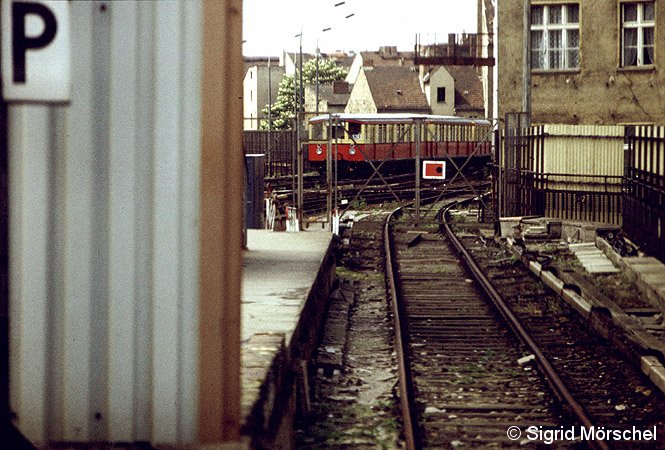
(35, 51)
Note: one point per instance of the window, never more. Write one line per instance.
(383, 133)
(555, 36)
(441, 95)
(354, 130)
(637, 33)
(338, 131)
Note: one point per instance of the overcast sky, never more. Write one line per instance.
(269, 26)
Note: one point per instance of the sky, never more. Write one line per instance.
(270, 26)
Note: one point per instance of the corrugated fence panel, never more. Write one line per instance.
(584, 150)
(104, 233)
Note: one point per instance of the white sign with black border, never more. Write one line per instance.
(36, 59)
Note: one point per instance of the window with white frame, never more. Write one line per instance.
(637, 33)
(555, 36)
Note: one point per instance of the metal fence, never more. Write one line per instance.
(566, 172)
(516, 168)
(578, 199)
(278, 146)
(644, 188)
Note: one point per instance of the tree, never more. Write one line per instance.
(282, 111)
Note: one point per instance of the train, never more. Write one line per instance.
(392, 138)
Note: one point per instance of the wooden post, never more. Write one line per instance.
(219, 410)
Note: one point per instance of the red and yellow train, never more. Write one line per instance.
(358, 138)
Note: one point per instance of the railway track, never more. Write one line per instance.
(390, 189)
(467, 384)
(462, 381)
(613, 391)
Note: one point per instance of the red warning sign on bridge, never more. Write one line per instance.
(434, 170)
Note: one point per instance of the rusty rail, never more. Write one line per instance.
(405, 390)
(552, 377)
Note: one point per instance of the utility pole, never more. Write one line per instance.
(417, 125)
(269, 118)
(329, 187)
(317, 77)
(299, 140)
(296, 127)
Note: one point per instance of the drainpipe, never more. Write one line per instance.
(526, 64)
(5, 419)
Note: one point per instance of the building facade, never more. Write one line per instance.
(260, 86)
(331, 97)
(439, 88)
(387, 90)
(448, 90)
(592, 62)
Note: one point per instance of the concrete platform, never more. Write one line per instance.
(286, 281)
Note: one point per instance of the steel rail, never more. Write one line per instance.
(405, 391)
(551, 375)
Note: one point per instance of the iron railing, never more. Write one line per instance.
(644, 188)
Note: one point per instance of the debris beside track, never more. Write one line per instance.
(353, 405)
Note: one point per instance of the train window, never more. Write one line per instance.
(338, 131)
(316, 131)
(403, 133)
(383, 133)
(354, 130)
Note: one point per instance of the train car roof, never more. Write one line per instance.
(386, 118)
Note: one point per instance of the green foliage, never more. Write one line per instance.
(329, 71)
(283, 109)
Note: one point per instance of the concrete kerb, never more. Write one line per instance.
(648, 273)
(650, 365)
(654, 369)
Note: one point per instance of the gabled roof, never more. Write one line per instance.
(396, 89)
(343, 59)
(468, 88)
(327, 93)
(260, 61)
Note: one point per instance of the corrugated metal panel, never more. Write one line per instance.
(584, 150)
(104, 233)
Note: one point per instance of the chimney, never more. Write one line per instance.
(340, 87)
(388, 51)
